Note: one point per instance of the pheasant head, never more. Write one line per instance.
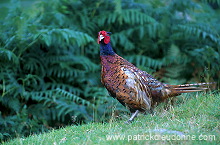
(103, 37)
(104, 41)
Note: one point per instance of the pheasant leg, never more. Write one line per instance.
(132, 116)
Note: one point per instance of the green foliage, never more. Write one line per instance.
(49, 58)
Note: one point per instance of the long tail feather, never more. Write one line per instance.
(196, 84)
(187, 88)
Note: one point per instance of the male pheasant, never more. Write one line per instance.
(132, 87)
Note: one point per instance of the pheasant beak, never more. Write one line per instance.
(101, 37)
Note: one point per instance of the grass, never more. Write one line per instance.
(195, 119)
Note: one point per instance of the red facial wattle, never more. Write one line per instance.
(105, 35)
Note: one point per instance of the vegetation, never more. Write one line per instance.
(49, 58)
(194, 121)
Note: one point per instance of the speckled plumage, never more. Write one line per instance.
(132, 87)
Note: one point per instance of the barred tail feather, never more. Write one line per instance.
(187, 88)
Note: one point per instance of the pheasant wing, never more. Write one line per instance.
(126, 85)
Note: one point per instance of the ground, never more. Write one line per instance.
(193, 119)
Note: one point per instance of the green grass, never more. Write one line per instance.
(195, 117)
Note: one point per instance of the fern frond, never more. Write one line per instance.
(65, 72)
(64, 36)
(141, 60)
(50, 96)
(71, 61)
(126, 16)
(175, 55)
(34, 64)
(174, 71)
(200, 31)
(8, 55)
(11, 103)
(72, 97)
(68, 88)
(212, 1)
(134, 16)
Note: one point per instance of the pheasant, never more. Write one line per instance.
(132, 87)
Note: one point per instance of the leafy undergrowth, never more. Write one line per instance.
(194, 120)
